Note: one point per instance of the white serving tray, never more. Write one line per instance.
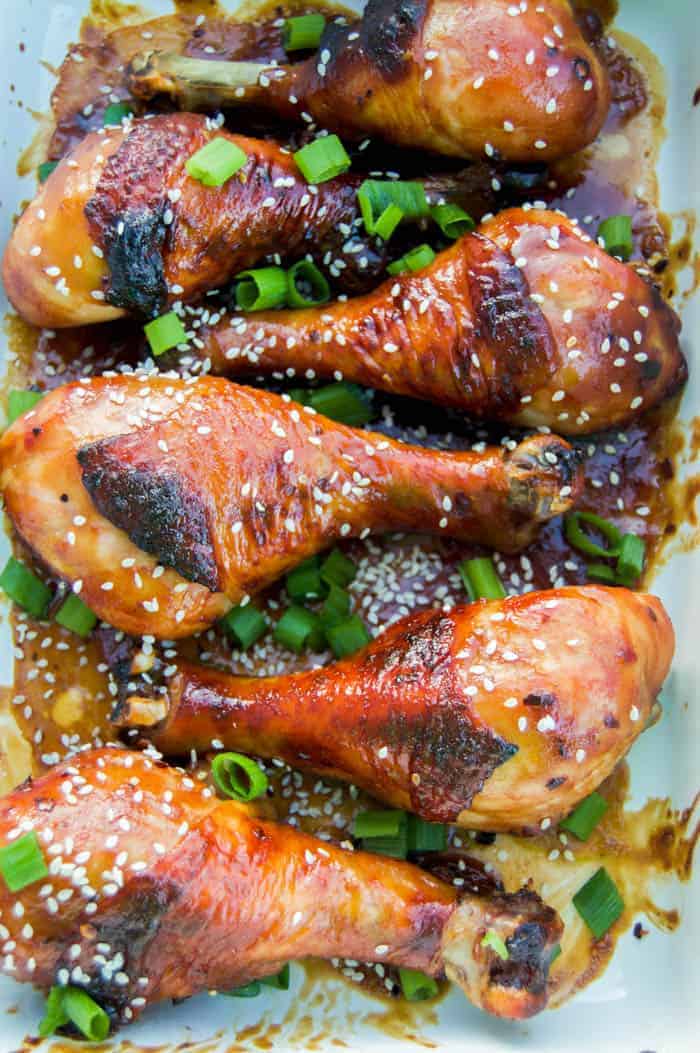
(647, 1000)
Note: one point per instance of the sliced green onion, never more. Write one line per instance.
(342, 402)
(75, 615)
(416, 986)
(238, 776)
(322, 159)
(22, 862)
(298, 628)
(280, 980)
(630, 562)
(556, 953)
(585, 817)
(338, 569)
(377, 196)
(302, 276)
(426, 837)
(117, 111)
(245, 624)
(388, 222)
(303, 32)
(165, 333)
(494, 942)
(481, 579)
(251, 990)
(55, 1015)
(348, 636)
(388, 823)
(415, 260)
(601, 572)
(616, 232)
(452, 220)
(45, 169)
(83, 1011)
(577, 536)
(336, 606)
(19, 402)
(261, 289)
(215, 163)
(599, 902)
(22, 585)
(304, 582)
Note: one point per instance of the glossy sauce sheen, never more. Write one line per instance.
(62, 693)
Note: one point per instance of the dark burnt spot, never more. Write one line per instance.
(542, 698)
(154, 508)
(36, 432)
(64, 497)
(387, 31)
(450, 865)
(484, 837)
(554, 784)
(610, 721)
(529, 947)
(696, 96)
(582, 69)
(650, 369)
(135, 260)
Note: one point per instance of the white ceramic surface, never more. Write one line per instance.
(648, 997)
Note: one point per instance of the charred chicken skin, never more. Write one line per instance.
(497, 716)
(121, 227)
(525, 321)
(468, 79)
(169, 500)
(165, 891)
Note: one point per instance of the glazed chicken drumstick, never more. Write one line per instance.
(462, 77)
(165, 891)
(498, 716)
(164, 501)
(120, 226)
(526, 321)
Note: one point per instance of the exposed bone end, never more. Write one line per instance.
(138, 711)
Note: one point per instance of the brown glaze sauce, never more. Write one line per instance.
(62, 693)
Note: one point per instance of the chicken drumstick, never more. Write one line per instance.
(459, 77)
(457, 717)
(165, 891)
(121, 227)
(526, 321)
(114, 479)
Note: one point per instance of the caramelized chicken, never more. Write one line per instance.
(164, 501)
(460, 78)
(526, 321)
(120, 226)
(497, 716)
(165, 891)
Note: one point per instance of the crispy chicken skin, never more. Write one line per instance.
(496, 715)
(112, 480)
(161, 236)
(458, 77)
(525, 321)
(165, 891)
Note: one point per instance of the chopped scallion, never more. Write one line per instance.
(304, 582)
(251, 990)
(22, 862)
(577, 536)
(599, 902)
(342, 402)
(45, 169)
(388, 222)
(347, 637)
(426, 837)
(280, 980)
(338, 569)
(55, 1015)
(494, 942)
(585, 817)
(388, 823)
(75, 615)
(165, 333)
(19, 402)
(416, 986)
(452, 220)
(19, 583)
(215, 163)
(385, 202)
(322, 159)
(84, 1012)
(238, 776)
(481, 579)
(556, 953)
(299, 628)
(336, 606)
(306, 285)
(245, 624)
(117, 111)
(415, 260)
(616, 232)
(630, 562)
(601, 572)
(260, 289)
(303, 32)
